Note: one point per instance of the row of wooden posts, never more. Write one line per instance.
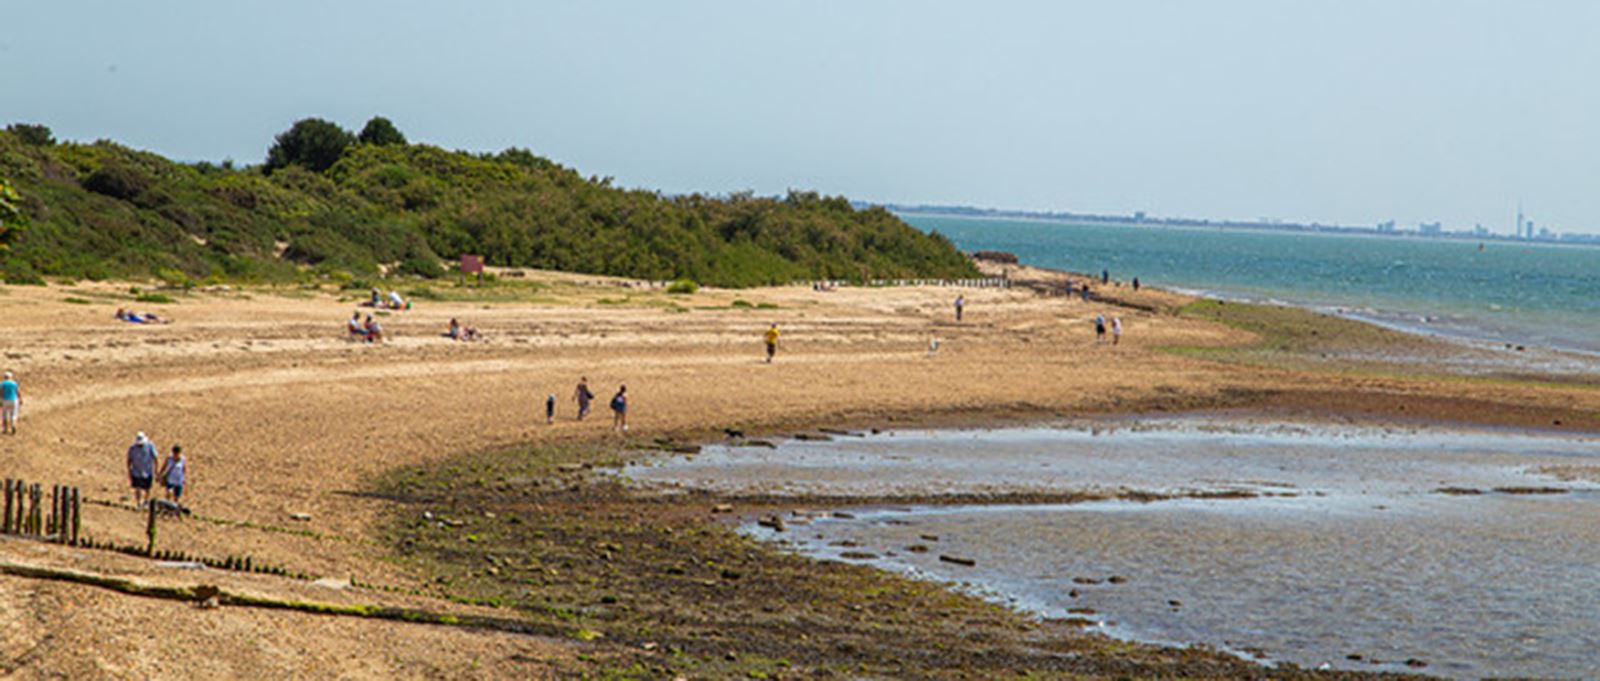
(26, 513)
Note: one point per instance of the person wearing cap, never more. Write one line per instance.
(772, 341)
(10, 404)
(141, 467)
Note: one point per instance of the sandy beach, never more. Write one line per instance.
(285, 419)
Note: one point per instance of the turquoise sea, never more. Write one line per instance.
(1539, 295)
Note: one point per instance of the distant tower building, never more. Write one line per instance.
(1519, 220)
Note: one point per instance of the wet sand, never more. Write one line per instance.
(1452, 551)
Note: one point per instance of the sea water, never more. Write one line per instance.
(1538, 295)
(1350, 554)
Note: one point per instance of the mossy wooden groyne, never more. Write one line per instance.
(208, 595)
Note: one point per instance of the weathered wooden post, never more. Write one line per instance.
(5, 524)
(20, 525)
(150, 531)
(77, 511)
(36, 517)
(52, 514)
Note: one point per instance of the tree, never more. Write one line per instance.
(313, 143)
(381, 131)
(36, 135)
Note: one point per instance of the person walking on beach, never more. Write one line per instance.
(141, 468)
(1116, 330)
(550, 408)
(619, 409)
(1099, 329)
(10, 404)
(772, 341)
(583, 396)
(1135, 284)
(1105, 276)
(174, 474)
(961, 303)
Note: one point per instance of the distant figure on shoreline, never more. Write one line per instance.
(619, 409)
(550, 409)
(141, 467)
(1136, 284)
(583, 396)
(1099, 328)
(961, 303)
(10, 404)
(1085, 292)
(1105, 276)
(772, 341)
(1116, 330)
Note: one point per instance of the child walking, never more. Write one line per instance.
(175, 474)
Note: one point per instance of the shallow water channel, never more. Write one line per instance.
(1350, 555)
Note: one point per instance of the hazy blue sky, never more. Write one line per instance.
(1337, 111)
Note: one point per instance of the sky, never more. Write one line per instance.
(1352, 112)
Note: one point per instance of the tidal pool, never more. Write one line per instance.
(1352, 556)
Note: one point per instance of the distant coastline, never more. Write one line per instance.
(1386, 229)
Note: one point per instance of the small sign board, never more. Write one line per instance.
(472, 264)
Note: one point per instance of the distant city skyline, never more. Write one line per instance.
(1355, 112)
(1521, 228)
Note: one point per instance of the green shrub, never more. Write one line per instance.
(153, 298)
(72, 300)
(682, 287)
(767, 306)
(174, 278)
(741, 303)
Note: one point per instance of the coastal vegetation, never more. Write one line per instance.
(329, 203)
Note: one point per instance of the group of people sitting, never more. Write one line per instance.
(392, 302)
(368, 331)
(140, 317)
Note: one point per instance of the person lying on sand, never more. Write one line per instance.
(140, 318)
(396, 302)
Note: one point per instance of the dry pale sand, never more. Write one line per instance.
(282, 415)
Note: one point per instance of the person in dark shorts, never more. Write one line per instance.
(550, 408)
(1099, 328)
(961, 304)
(175, 474)
(619, 409)
(141, 467)
(583, 396)
(772, 341)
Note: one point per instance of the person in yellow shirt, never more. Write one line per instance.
(772, 341)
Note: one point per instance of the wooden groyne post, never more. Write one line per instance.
(26, 513)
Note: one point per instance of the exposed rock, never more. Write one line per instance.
(859, 555)
(928, 537)
(301, 517)
(957, 560)
(1117, 579)
(917, 548)
(722, 508)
